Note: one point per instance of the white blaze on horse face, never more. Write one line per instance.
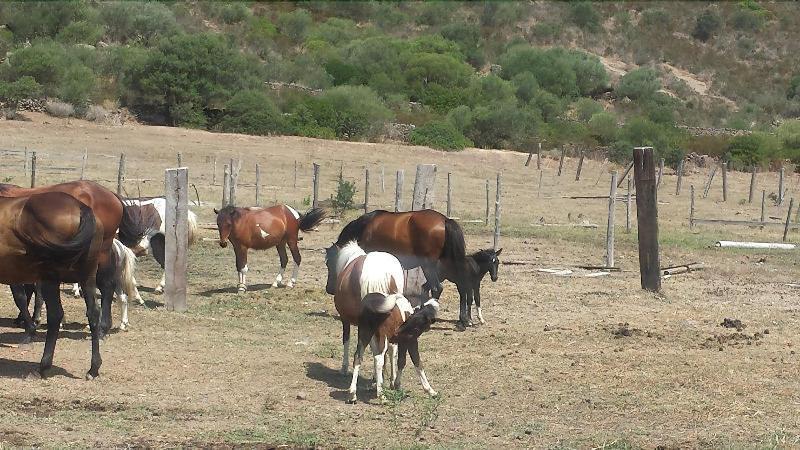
(263, 233)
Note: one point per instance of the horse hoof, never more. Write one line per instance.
(34, 375)
(433, 394)
(352, 401)
(90, 377)
(123, 327)
(460, 327)
(289, 285)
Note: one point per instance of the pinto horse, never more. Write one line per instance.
(117, 219)
(263, 228)
(366, 290)
(47, 239)
(418, 239)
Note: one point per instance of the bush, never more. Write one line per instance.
(794, 88)
(345, 193)
(584, 16)
(755, 148)
(708, 23)
(640, 131)
(503, 125)
(138, 21)
(586, 108)
(639, 83)
(565, 73)
(77, 85)
(59, 109)
(81, 32)
(252, 112)
(44, 61)
(603, 127)
(460, 117)
(526, 86)
(29, 20)
(96, 113)
(295, 24)
(789, 134)
(14, 92)
(439, 135)
(352, 112)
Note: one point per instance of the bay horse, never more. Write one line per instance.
(468, 276)
(366, 290)
(47, 239)
(417, 238)
(264, 228)
(118, 219)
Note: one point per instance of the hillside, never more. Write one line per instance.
(491, 75)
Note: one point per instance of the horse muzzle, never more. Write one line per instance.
(223, 244)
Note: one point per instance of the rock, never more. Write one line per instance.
(302, 395)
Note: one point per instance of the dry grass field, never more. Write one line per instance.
(563, 362)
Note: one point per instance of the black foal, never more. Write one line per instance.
(467, 277)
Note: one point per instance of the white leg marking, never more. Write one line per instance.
(279, 278)
(424, 380)
(392, 363)
(379, 361)
(160, 288)
(345, 356)
(293, 280)
(123, 305)
(356, 368)
(480, 315)
(76, 290)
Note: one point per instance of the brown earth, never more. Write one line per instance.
(562, 362)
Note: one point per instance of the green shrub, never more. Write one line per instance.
(794, 88)
(755, 148)
(565, 73)
(433, 13)
(81, 32)
(789, 134)
(640, 131)
(44, 60)
(352, 112)
(295, 24)
(491, 88)
(584, 16)
(656, 18)
(252, 112)
(138, 21)
(603, 127)
(639, 83)
(345, 194)
(439, 135)
(503, 125)
(30, 20)
(460, 117)
(526, 86)
(335, 30)
(707, 24)
(233, 12)
(77, 85)
(747, 20)
(260, 32)
(585, 108)
(11, 93)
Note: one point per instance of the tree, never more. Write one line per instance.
(708, 23)
(252, 112)
(12, 93)
(439, 135)
(639, 83)
(584, 16)
(295, 24)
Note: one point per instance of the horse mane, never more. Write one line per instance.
(229, 210)
(347, 253)
(483, 256)
(353, 230)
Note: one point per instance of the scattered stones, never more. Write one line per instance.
(302, 395)
(733, 323)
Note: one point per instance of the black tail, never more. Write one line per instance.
(312, 218)
(454, 246)
(133, 226)
(353, 230)
(63, 252)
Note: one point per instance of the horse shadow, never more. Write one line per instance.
(341, 383)
(235, 290)
(324, 314)
(10, 368)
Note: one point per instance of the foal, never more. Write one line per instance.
(263, 228)
(367, 294)
(468, 276)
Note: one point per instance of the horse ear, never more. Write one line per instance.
(216, 211)
(497, 253)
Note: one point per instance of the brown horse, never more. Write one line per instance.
(263, 228)
(47, 239)
(116, 217)
(367, 294)
(418, 239)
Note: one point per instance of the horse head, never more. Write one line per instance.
(331, 259)
(494, 265)
(225, 219)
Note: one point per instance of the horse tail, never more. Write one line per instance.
(68, 252)
(311, 219)
(353, 230)
(133, 227)
(125, 269)
(192, 227)
(454, 248)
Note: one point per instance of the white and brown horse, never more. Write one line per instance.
(264, 228)
(366, 290)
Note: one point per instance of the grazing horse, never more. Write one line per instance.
(263, 228)
(154, 211)
(117, 219)
(47, 239)
(467, 277)
(418, 239)
(366, 290)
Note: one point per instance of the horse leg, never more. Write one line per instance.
(76, 290)
(296, 258)
(135, 294)
(55, 313)
(476, 289)
(401, 364)
(345, 346)
(158, 248)
(432, 281)
(392, 352)
(19, 293)
(37, 302)
(105, 282)
(284, 260)
(95, 325)
(463, 308)
(378, 346)
(357, 360)
(241, 266)
(123, 306)
(413, 351)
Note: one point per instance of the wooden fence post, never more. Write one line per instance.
(680, 178)
(561, 160)
(752, 184)
(660, 172)
(612, 201)
(84, 160)
(539, 191)
(214, 173)
(226, 186)
(539, 156)
(691, 207)
(176, 235)
(398, 190)
(366, 190)
(315, 186)
(383, 177)
(424, 184)
(295, 174)
(647, 218)
(763, 205)
(258, 184)
(710, 179)
(497, 215)
(180, 159)
(788, 219)
(724, 182)
(33, 169)
(580, 166)
(121, 174)
(449, 195)
(236, 166)
(530, 156)
(25, 162)
(780, 187)
(628, 208)
(486, 222)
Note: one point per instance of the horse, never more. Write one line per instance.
(417, 238)
(366, 290)
(154, 211)
(467, 277)
(117, 218)
(263, 228)
(48, 238)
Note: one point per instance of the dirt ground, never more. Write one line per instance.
(563, 362)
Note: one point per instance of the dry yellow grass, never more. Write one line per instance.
(554, 366)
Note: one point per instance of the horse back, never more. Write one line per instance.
(262, 228)
(416, 233)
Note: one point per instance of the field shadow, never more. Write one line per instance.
(234, 290)
(325, 314)
(10, 368)
(334, 379)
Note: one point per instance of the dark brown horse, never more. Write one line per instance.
(48, 239)
(418, 239)
(263, 228)
(115, 216)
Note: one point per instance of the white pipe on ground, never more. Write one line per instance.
(763, 245)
